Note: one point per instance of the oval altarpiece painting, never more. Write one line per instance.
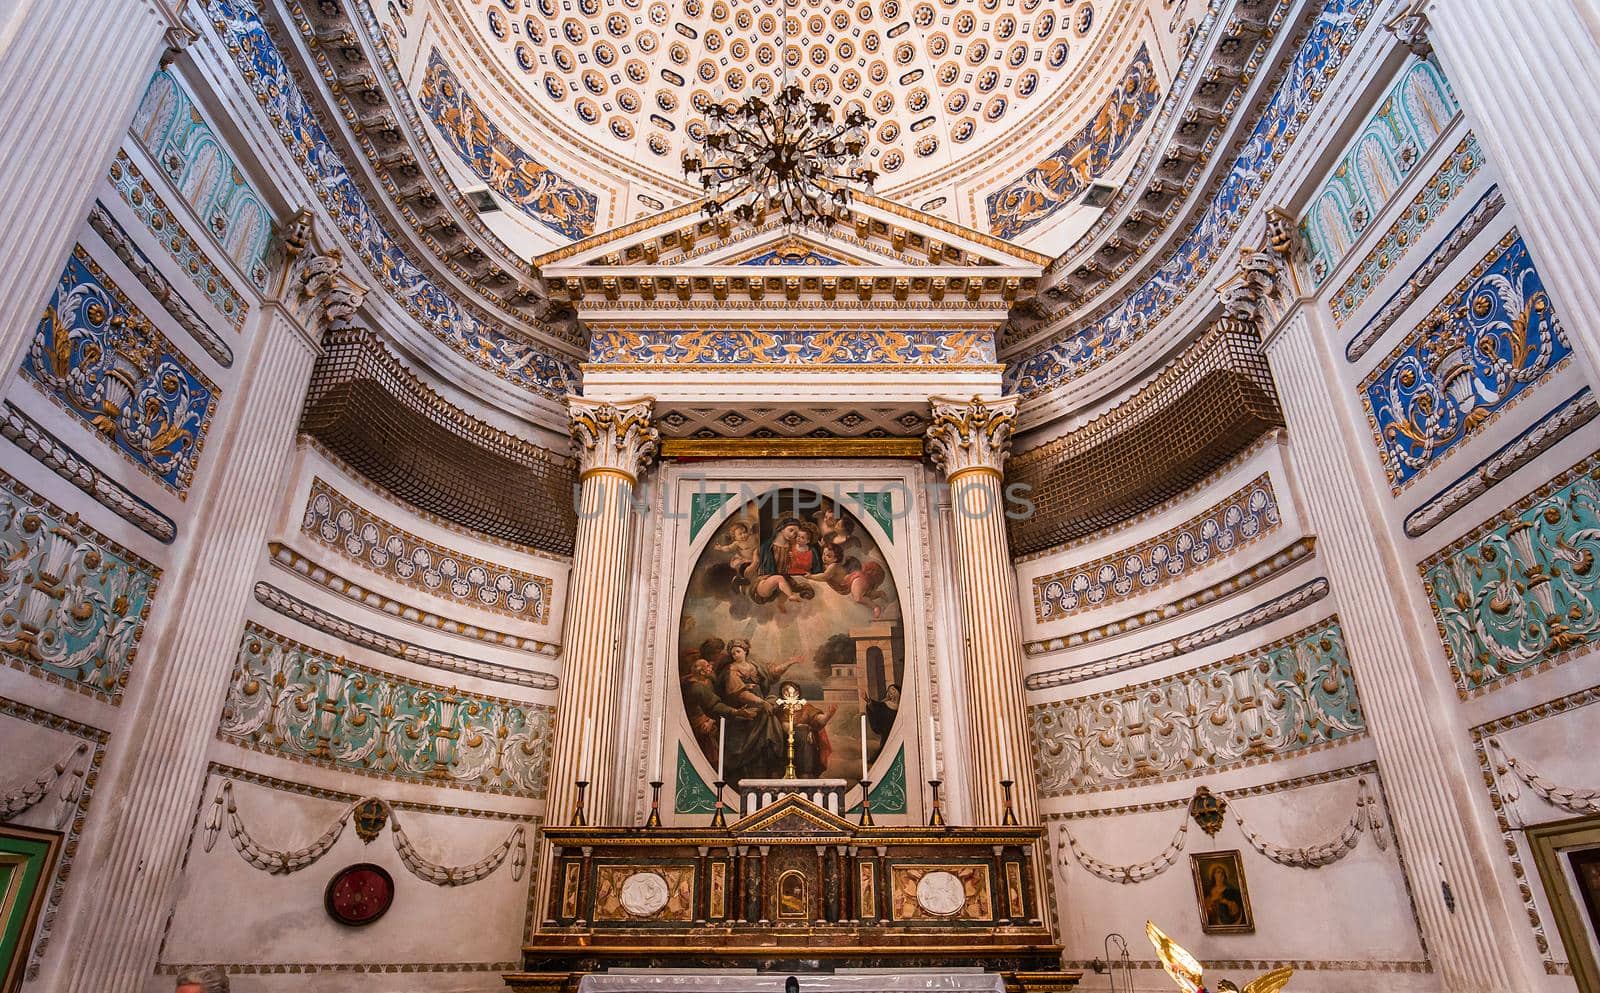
(791, 589)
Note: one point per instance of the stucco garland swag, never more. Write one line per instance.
(1367, 818)
(68, 772)
(370, 815)
(1509, 771)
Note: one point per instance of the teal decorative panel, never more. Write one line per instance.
(73, 603)
(880, 507)
(176, 135)
(1408, 120)
(291, 700)
(889, 793)
(191, 257)
(693, 795)
(703, 507)
(1520, 592)
(1275, 701)
(100, 359)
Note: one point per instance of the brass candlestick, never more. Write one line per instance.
(719, 819)
(790, 703)
(654, 820)
(578, 820)
(866, 803)
(1009, 818)
(935, 819)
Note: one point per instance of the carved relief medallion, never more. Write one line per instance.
(644, 894)
(941, 894)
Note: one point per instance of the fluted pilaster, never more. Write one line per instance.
(71, 74)
(615, 443)
(1427, 778)
(157, 769)
(969, 440)
(1525, 75)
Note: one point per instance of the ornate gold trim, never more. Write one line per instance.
(991, 470)
(773, 448)
(602, 470)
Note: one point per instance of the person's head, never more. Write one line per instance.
(739, 530)
(790, 690)
(202, 979)
(700, 667)
(739, 648)
(830, 554)
(712, 648)
(789, 528)
(1218, 876)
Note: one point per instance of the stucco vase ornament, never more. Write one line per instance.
(1189, 974)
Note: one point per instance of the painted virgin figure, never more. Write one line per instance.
(791, 593)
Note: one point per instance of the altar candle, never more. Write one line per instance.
(588, 750)
(863, 747)
(722, 745)
(655, 758)
(1005, 756)
(933, 763)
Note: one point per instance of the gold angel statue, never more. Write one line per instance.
(1187, 972)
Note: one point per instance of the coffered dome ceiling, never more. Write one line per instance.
(969, 95)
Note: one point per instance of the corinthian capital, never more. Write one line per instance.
(971, 434)
(615, 437)
(315, 285)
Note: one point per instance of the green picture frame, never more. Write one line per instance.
(27, 862)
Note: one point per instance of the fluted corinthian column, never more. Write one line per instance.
(156, 770)
(71, 73)
(615, 443)
(969, 440)
(1430, 780)
(1526, 77)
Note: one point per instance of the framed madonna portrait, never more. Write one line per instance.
(1220, 890)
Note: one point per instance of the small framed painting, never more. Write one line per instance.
(27, 858)
(1220, 889)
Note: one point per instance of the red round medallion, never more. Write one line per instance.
(359, 894)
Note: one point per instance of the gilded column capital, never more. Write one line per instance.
(1410, 28)
(611, 437)
(971, 434)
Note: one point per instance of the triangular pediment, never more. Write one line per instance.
(791, 817)
(679, 259)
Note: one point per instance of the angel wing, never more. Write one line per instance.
(1184, 969)
(1271, 982)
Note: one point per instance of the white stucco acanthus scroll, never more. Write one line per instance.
(971, 434)
(618, 437)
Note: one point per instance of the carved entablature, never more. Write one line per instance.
(792, 882)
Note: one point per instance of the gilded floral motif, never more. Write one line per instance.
(73, 602)
(1082, 158)
(1521, 590)
(781, 345)
(292, 700)
(1488, 343)
(1282, 698)
(98, 357)
(508, 169)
